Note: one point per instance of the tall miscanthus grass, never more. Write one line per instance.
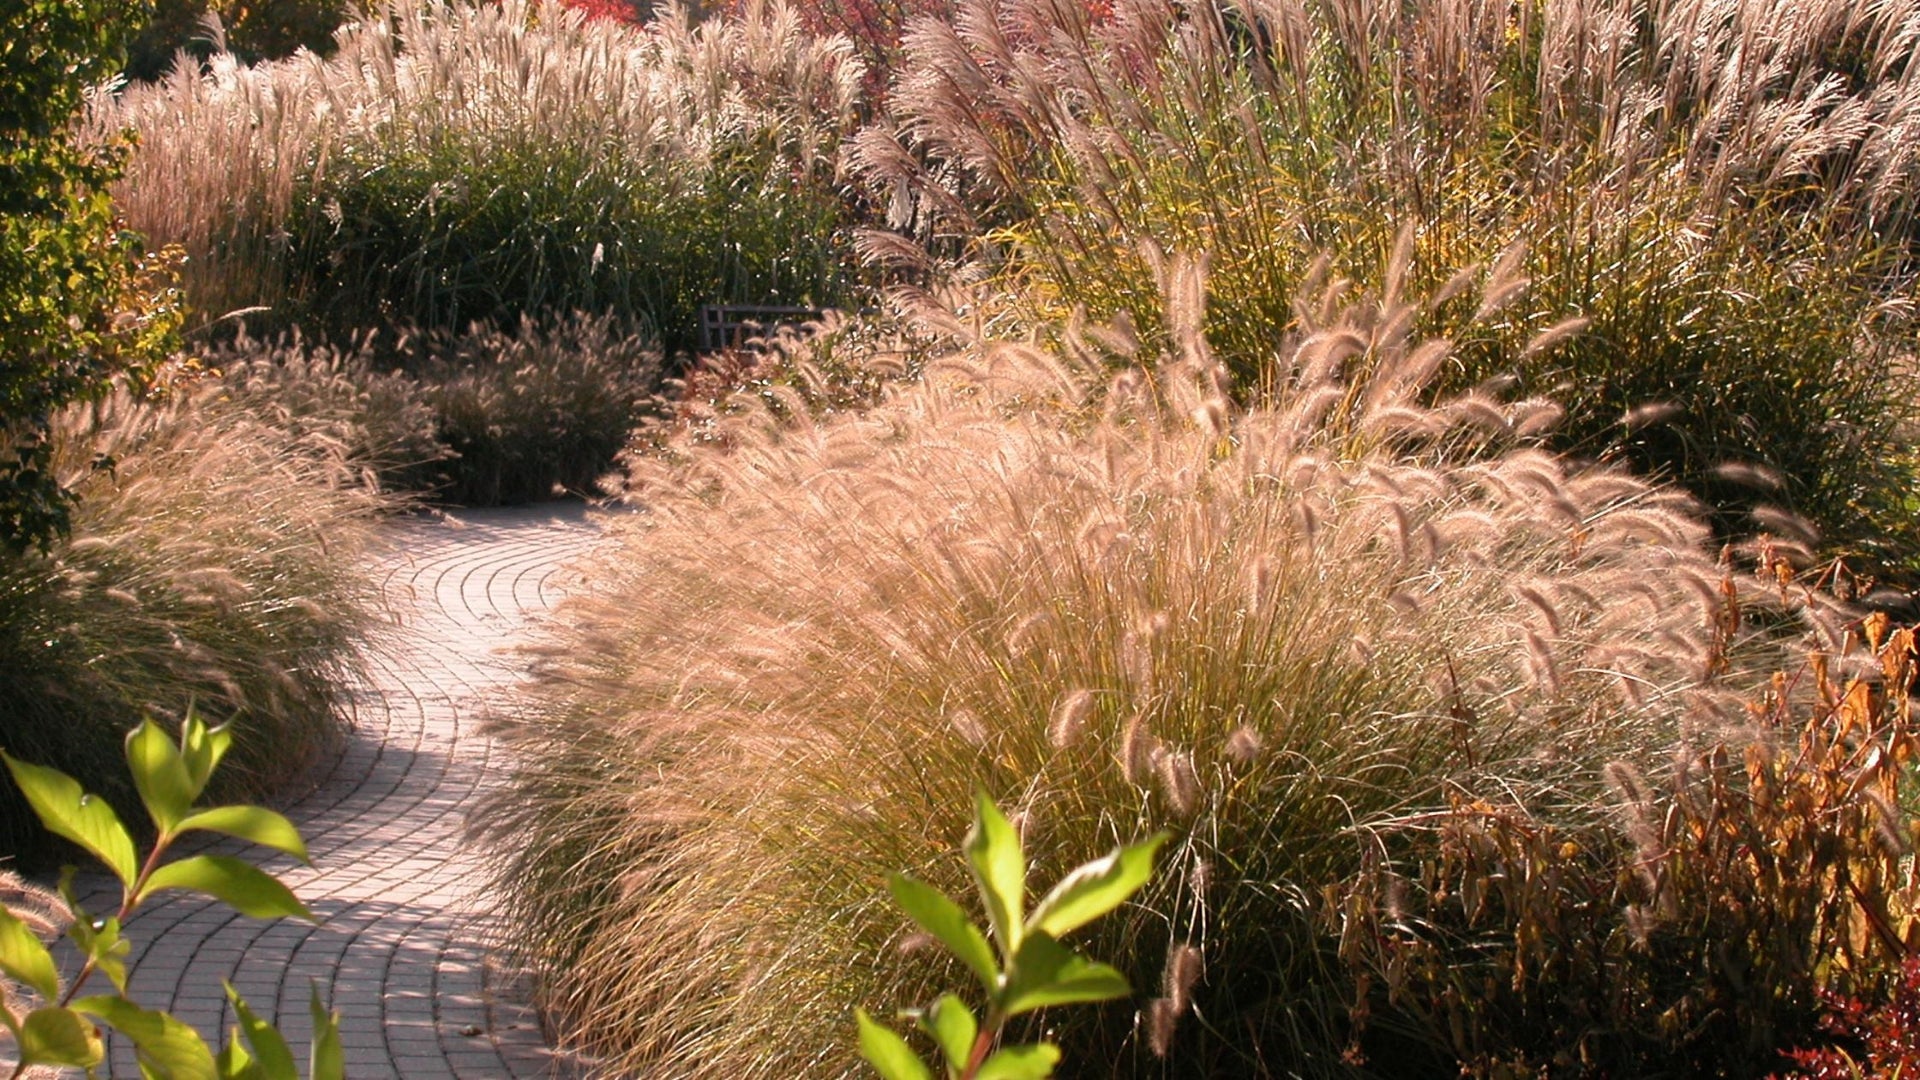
(1281, 627)
(452, 162)
(215, 561)
(1722, 189)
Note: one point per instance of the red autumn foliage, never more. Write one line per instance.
(1871, 1041)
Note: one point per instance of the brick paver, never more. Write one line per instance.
(401, 949)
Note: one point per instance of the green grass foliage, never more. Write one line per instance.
(450, 163)
(1721, 193)
(1295, 633)
(213, 561)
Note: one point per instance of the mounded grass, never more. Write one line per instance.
(1721, 193)
(1294, 632)
(213, 562)
(480, 418)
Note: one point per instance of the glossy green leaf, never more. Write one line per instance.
(253, 823)
(68, 811)
(1000, 869)
(159, 774)
(953, 1028)
(165, 1046)
(245, 887)
(1047, 973)
(1031, 1062)
(1096, 888)
(328, 1061)
(25, 959)
(268, 1047)
(887, 1052)
(201, 749)
(55, 1036)
(938, 915)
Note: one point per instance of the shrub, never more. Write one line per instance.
(70, 314)
(456, 163)
(1758, 877)
(1718, 191)
(49, 1025)
(1286, 633)
(252, 32)
(211, 561)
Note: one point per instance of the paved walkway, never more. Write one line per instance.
(401, 947)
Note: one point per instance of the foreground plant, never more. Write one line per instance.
(61, 1030)
(1034, 970)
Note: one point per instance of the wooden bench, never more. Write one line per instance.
(727, 326)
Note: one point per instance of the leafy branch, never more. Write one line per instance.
(170, 778)
(1032, 969)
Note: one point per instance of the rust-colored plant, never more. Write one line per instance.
(1763, 871)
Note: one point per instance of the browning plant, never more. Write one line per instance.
(1285, 628)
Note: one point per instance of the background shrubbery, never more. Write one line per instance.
(77, 303)
(453, 163)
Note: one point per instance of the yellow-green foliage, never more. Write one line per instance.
(1722, 192)
(1286, 631)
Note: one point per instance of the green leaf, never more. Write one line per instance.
(275, 1060)
(254, 823)
(938, 915)
(25, 959)
(234, 1063)
(55, 1036)
(953, 1027)
(887, 1052)
(1000, 869)
(201, 749)
(1048, 973)
(166, 1047)
(1096, 888)
(101, 944)
(247, 888)
(159, 774)
(328, 1061)
(1031, 1062)
(68, 811)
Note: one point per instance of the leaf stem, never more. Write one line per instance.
(983, 1044)
(129, 900)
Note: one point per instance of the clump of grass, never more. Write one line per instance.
(451, 163)
(537, 412)
(480, 418)
(1721, 191)
(343, 400)
(1281, 630)
(212, 562)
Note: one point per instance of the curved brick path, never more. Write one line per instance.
(400, 950)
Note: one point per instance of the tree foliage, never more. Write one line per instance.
(71, 313)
